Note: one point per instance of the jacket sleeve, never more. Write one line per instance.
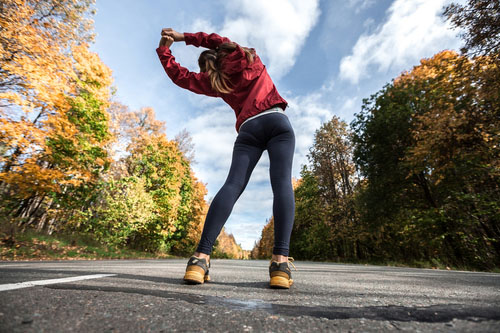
(205, 40)
(196, 82)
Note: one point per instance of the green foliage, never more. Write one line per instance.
(72, 161)
(125, 209)
(264, 248)
(32, 245)
(426, 147)
(326, 221)
(167, 179)
(423, 143)
(381, 138)
(479, 22)
(309, 238)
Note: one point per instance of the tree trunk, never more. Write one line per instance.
(424, 184)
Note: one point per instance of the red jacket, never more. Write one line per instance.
(253, 89)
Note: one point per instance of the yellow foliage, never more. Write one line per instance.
(199, 209)
(45, 62)
(227, 245)
(460, 96)
(264, 247)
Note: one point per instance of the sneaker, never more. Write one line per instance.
(281, 276)
(197, 271)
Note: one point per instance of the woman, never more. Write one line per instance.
(237, 75)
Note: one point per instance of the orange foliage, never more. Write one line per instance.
(263, 249)
(461, 97)
(26, 164)
(227, 246)
(45, 64)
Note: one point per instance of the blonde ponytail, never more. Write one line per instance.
(210, 61)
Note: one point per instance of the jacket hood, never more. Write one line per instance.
(237, 62)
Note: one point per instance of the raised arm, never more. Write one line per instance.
(196, 82)
(205, 40)
(210, 41)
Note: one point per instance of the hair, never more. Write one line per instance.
(210, 61)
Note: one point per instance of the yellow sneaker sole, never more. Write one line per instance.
(194, 277)
(280, 282)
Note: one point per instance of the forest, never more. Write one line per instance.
(75, 160)
(413, 179)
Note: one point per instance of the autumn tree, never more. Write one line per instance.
(263, 248)
(36, 69)
(186, 145)
(122, 208)
(54, 125)
(426, 145)
(326, 219)
(226, 247)
(151, 199)
(34, 41)
(128, 127)
(69, 159)
(480, 22)
(457, 145)
(331, 163)
(311, 237)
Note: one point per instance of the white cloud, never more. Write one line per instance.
(414, 29)
(246, 232)
(360, 4)
(201, 24)
(213, 135)
(272, 28)
(368, 23)
(276, 29)
(306, 114)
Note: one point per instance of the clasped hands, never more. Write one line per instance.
(169, 35)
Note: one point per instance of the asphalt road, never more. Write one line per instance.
(149, 295)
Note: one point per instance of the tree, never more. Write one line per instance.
(151, 199)
(326, 223)
(457, 148)
(185, 142)
(331, 162)
(122, 209)
(311, 237)
(129, 128)
(190, 236)
(263, 249)
(59, 135)
(53, 100)
(427, 147)
(168, 180)
(480, 20)
(226, 247)
(35, 40)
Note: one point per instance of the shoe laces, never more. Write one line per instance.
(290, 261)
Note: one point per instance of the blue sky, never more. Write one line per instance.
(324, 57)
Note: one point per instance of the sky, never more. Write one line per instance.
(324, 57)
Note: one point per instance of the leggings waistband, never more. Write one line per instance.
(271, 110)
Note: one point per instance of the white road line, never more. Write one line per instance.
(19, 285)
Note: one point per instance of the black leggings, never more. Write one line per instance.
(273, 132)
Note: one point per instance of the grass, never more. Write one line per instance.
(31, 245)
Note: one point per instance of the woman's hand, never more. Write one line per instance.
(166, 41)
(177, 36)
